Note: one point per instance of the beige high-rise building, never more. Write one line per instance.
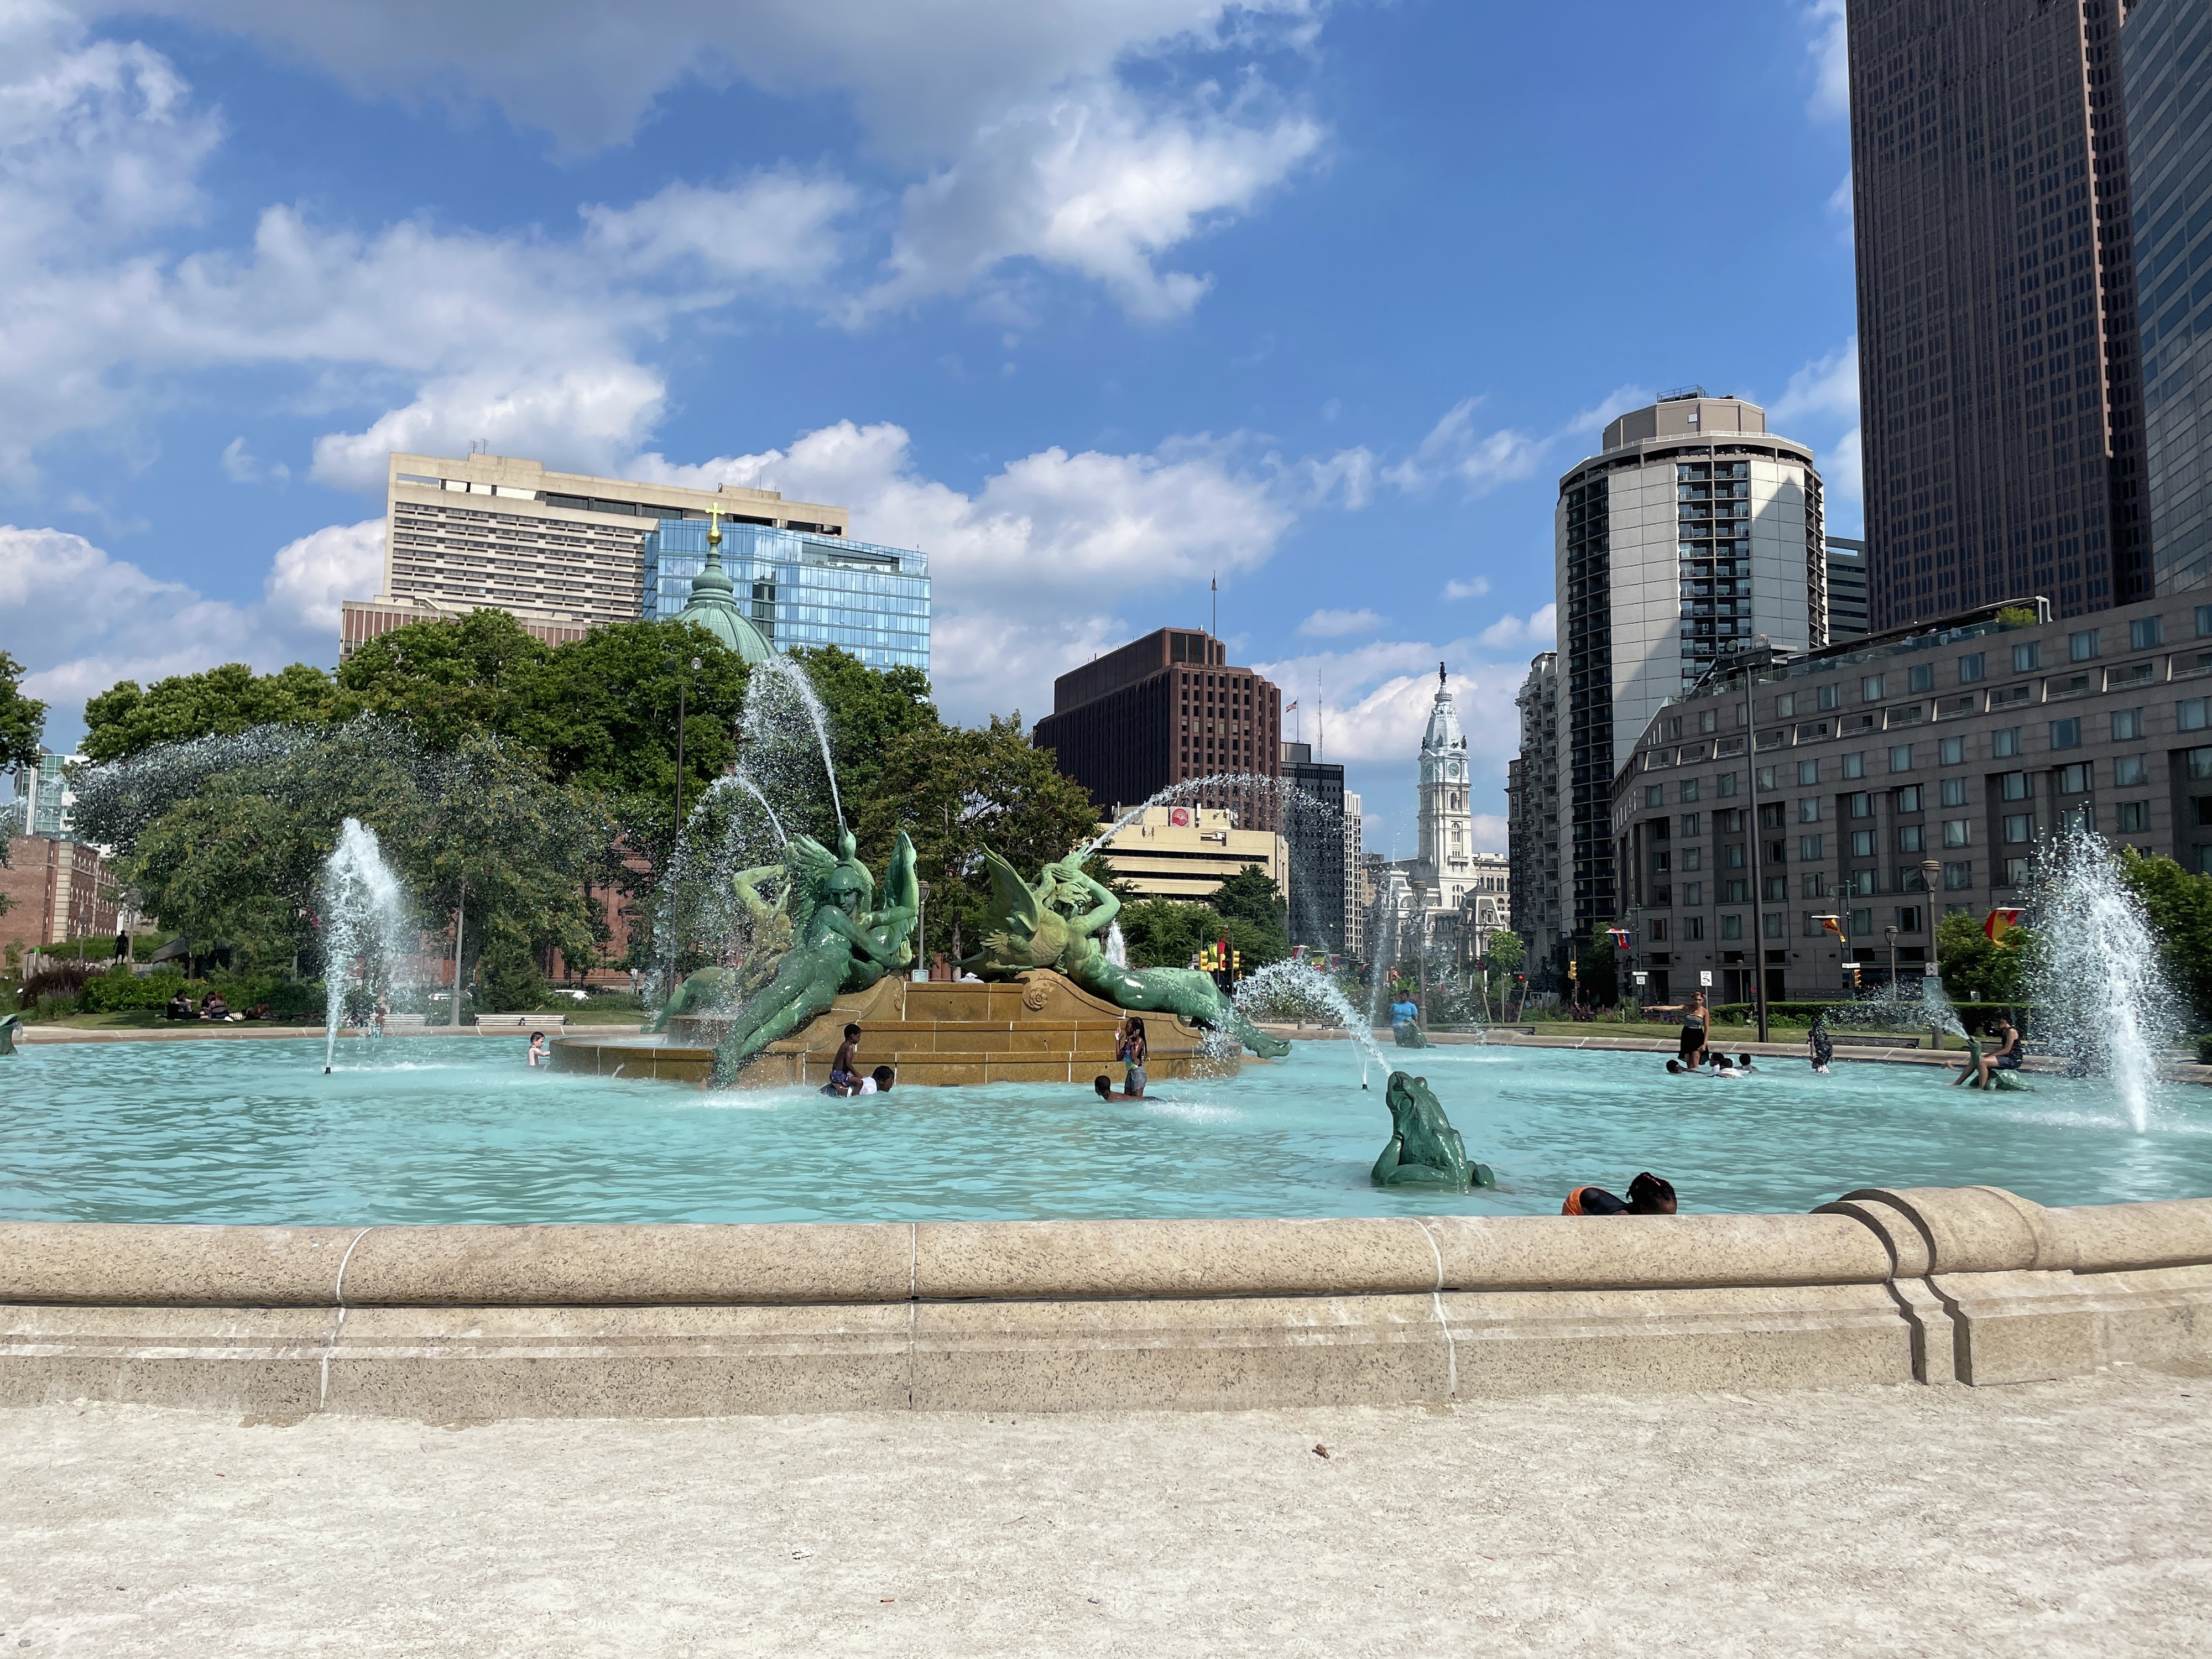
(562, 551)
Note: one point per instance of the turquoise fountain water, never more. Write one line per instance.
(457, 1129)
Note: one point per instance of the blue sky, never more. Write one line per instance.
(1089, 301)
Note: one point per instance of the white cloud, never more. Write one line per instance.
(1824, 393)
(1453, 449)
(1029, 574)
(240, 465)
(1537, 631)
(1091, 182)
(145, 628)
(1473, 589)
(1830, 49)
(1331, 624)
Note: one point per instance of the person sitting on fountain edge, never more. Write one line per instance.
(843, 1080)
(2005, 1057)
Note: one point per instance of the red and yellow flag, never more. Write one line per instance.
(1832, 924)
(2000, 923)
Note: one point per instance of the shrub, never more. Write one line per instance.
(110, 992)
(56, 980)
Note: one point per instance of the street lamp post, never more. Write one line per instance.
(1929, 870)
(1890, 934)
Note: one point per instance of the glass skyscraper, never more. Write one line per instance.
(800, 589)
(2166, 57)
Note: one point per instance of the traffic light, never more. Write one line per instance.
(1236, 961)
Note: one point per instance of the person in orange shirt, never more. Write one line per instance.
(1647, 1195)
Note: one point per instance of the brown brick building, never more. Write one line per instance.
(58, 889)
(1166, 709)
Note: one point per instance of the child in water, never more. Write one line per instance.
(1647, 1195)
(538, 1052)
(1818, 1041)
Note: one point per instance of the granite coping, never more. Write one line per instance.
(1869, 1237)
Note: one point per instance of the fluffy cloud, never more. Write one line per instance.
(1537, 632)
(1455, 450)
(1473, 588)
(1825, 394)
(1830, 50)
(1031, 573)
(1328, 624)
(141, 628)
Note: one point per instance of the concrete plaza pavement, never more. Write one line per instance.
(2070, 1518)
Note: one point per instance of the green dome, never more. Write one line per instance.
(715, 607)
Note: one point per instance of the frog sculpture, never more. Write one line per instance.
(1424, 1150)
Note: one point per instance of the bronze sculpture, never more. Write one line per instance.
(1424, 1150)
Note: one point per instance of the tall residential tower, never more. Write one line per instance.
(1693, 534)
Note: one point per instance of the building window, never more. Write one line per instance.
(1808, 849)
(1861, 843)
(1775, 889)
(1657, 929)
(2026, 657)
(1654, 794)
(2074, 779)
(1773, 923)
(1957, 878)
(2200, 763)
(2204, 620)
(2004, 743)
(2015, 872)
(1908, 918)
(2132, 816)
(1921, 678)
(1860, 922)
(1900, 758)
(1709, 721)
(2189, 714)
(1766, 777)
(1690, 824)
(1694, 858)
(2082, 819)
(1808, 810)
(2131, 771)
(1785, 706)
(1828, 696)
(1970, 669)
(1854, 766)
(1870, 689)
(1689, 790)
(2081, 647)
(1725, 784)
(1809, 772)
(1950, 751)
(1862, 804)
(2014, 786)
(1732, 926)
(1908, 838)
(2127, 725)
(1694, 926)
(1956, 832)
(2145, 633)
(2066, 734)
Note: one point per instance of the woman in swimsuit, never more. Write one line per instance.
(1693, 1033)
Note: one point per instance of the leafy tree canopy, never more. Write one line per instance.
(22, 719)
(221, 702)
(1973, 968)
(2179, 907)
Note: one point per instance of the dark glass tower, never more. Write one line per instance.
(2000, 396)
(2166, 49)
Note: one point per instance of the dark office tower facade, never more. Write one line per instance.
(1168, 708)
(1847, 590)
(2165, 57)
(1313, 831)
(2000, 393)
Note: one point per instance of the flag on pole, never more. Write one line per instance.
(1832, 924)
(2000, 923)
(1288, 706)
(1622, 937)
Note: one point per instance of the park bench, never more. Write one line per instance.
(405, 1022)
(1871, 1040)
(520, 1022)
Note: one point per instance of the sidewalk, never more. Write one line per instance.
(2070, 1518)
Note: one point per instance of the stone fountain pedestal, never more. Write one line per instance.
(1043, 1028)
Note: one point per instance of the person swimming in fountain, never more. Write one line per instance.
(1133, 1051)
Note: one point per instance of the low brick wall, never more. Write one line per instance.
(1939, 1285)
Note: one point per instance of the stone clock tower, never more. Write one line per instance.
(1446, 865)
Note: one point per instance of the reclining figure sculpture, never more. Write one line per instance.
(1424, 1150)
(1058, 924)
(841, 943)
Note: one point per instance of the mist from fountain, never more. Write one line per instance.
(2102, 1001)
(1295, 991)
(367, 933)
(1118, 948)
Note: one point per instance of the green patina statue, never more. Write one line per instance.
(9, 1024)
(719, 989)
(841, 943)
(2003, 1081)
(1059, 923)
(1424, 1150)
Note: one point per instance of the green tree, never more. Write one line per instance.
(867, 711)
(1975, 970)
(1503, 956)
(1251, 897)
(450, 679)
(957, 790)
(125, 721)
(22, 719)
(2179, 907)
(1166, 933)
(1597, 969)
